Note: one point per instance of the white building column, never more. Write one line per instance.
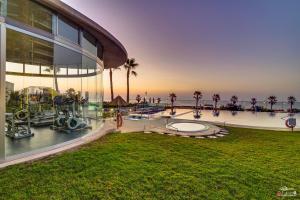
(2, 87)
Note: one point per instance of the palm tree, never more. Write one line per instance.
(111, 82)
(173, 99)
(197, 97)
(138, 98)
(234, 99)
(130, 65)
(55, 71)
(158, 100)
(272, 100)
(291, 101)
(253, 102)
(216, 98)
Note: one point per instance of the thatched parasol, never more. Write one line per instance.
(118, 101)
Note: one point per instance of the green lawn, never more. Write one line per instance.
(247, 164)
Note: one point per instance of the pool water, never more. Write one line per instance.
(243, 118)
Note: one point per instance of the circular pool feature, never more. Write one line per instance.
(186, 127)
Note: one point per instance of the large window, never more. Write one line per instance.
(89, 43)
(25, 49)
(68, 30)
(30, 13)
(3, 7)
(50, 90)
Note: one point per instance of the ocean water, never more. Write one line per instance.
(244, 104)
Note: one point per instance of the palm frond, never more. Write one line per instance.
(134, 73)
(118, 68)
(130, 64)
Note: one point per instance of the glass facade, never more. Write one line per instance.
(53, 92)
(30, 13)
(89, 43)
(25, 49)
(3, 6)
(67, 30)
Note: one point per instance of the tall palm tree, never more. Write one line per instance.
(197, 97)
(234, 99)
(111, 82)
(55, 70)
(253, 102)
(172, 99)
(216, 98)
(138, 98)
(158, 100)
(291, 101)
(130, 65)
(272, 100)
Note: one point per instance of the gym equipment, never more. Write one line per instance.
(75, 123)
(43, 120)
(67, 120)
(15, 131)
(40, 117)
(22, 115)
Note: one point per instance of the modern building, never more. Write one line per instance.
(52, 57)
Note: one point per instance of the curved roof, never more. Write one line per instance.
(114, 54)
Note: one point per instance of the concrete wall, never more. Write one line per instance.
(2, 87)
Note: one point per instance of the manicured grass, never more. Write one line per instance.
(247, 164)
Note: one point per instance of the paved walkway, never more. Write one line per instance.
(159, 125)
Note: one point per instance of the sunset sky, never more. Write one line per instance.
(241, 47)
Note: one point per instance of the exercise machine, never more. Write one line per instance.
(15, 130)
(67, 119)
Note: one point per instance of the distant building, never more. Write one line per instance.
(9, 88)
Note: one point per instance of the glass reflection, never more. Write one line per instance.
(68, 30)
(50, 90)
(22, 48)
(89, 43)
(30, 13)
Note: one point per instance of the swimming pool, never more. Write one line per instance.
(240, 118)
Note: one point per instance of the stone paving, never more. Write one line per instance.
(158, 125)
